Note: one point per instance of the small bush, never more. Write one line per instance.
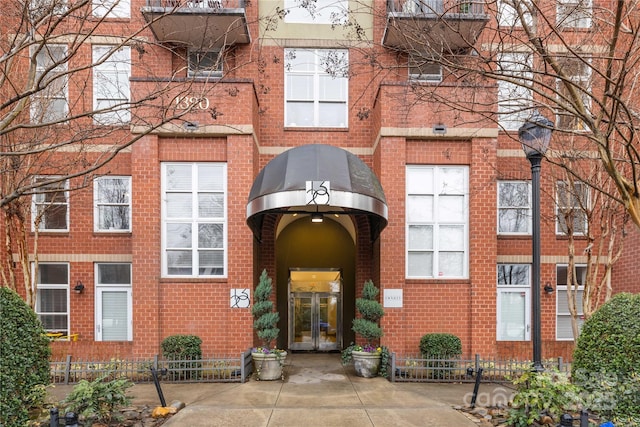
(265, 319)
(444, 346)
(548, 393)
(98, 400)
(184, 349)
(24, 360)
(606, 361)
(367, 326)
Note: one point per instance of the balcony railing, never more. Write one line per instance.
(411, 20)
(198, 24)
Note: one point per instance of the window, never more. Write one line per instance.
(423, 6)
(38, 9)
(513, 312)
(316, 87)
(571, 207)
(563, 316)
(316, 11)
(50, 207)
(112, 8)
(579, 72)
(111, 94)
(514, 207)
(52, 297)
(437, 222)
(113, 302)
(112, 203)
(194, 219)
(50, 103)
(574, 13)
(507, 15)
(205, 63)
(514, 99)
(424, 70)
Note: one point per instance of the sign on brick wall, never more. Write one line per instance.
(240, 298)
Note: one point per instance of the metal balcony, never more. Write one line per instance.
(198, 24)
(434, 26)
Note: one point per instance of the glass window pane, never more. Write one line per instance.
(210, 205)
(211, 262)
(210, 235)
(179, 235)
(451, 238)
(451, 181)
(332, 88)
(513, 221)
(178, 177)
(210, 177)
(419, 180)
(53, 274)
(451, 264)
(115, 323)
(300, 60)
(54, 218)
(52, 300)
(513, 274)
(114, 274)
(113, 190)
(512, 325)
(420, 237)
(179, 205)
(420, 264)
(451, 208)
(420, 208)
(332, 114)
(179, 263)
(113, 217)
(300, 87)
(54, 322)
(300, 114)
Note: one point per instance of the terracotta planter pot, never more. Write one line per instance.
(366, 364)
(268, 366)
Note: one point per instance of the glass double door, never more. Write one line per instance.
(315, 314)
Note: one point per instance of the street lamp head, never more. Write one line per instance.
(535, 134)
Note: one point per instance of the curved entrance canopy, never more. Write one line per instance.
(281, 187)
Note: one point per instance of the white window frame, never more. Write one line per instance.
(195, 57)
(504, 288)
(565, 9)
(423, 70)
(507, 16)
(39, 287)
(111, 87)
(325, 12)
(315, 72)
(505, 208)
(99, 205)
(561, 288)
(40, 201)
(514, 101)
(112, 8)
(577, 210)
(51, 67)
(103, 288)
(191, 218)
(428, 186)
(581, 77)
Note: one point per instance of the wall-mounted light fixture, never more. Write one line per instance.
(316, 217)
(78, 288)
(439, 129)
(548, 288)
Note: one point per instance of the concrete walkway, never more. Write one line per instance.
(318, 391)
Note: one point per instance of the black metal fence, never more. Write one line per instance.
(213, 369)
(416, 368)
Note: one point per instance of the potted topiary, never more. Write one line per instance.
(268, 361)
(367, 358)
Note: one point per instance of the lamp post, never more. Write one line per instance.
(534, 135)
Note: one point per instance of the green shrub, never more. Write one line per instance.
(606, 361)
(547, 393)
(367, 325)
(444, 346)
(98, 400)
(184, 349)
(24, 360)
(265, 318)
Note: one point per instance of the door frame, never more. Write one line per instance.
(314, 296)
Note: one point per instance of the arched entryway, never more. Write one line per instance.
(316, 208)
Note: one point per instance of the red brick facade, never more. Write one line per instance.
(392, 132)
